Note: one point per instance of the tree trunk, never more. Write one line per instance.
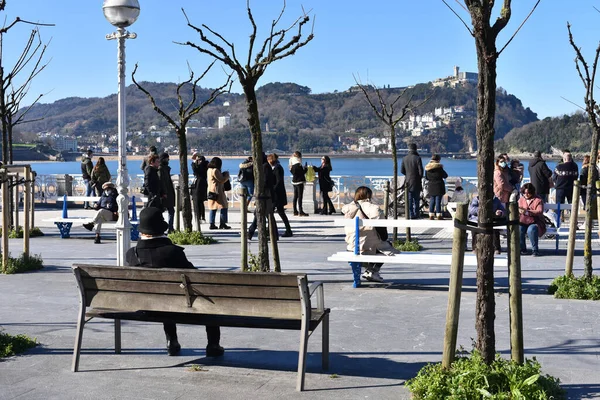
(486, 110)
(589, 202)
(183, 184)
(259, 179)
(9, 127)
(395, 176)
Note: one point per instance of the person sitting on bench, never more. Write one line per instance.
(154, 250)
(370, 241)
(107, 209)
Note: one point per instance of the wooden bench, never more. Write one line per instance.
(64, 223)
(355, 259)
(186, 296)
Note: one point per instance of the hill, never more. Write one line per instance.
(291, 117)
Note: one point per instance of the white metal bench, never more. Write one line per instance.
(355, 259)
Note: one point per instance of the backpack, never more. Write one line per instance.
(246, 174)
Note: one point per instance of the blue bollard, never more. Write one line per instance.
(133, 209)
(65, 213)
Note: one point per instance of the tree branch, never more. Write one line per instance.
(519, 28)
(459, 17)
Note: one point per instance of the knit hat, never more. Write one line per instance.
(152, 222)
(107, 185)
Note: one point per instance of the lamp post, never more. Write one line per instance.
(121, 14)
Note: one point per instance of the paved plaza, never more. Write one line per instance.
(381, 334)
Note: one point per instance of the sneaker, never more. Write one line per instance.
(213, 226)
(224, 226)
(524, 252)
(366, 275)
(375, 277)
(287, 234)
(214, 350)
(497, 252)
(89, 226)
(97, 240)
(535, 253)
(173, 347)
(431, 217)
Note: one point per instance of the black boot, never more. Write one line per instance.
(173, 347)
(97, 239)
(224, 226)
(212, 226)
(214, 350)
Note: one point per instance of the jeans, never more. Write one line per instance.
(222, 216)
(435, 205)
(532, 232)
(414, 200)
(249, 185)
(171, 211)
(89, 190)
(298, 194)
(564, 196)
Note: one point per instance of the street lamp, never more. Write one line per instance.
(122, 13)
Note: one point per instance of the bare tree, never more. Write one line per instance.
(588, 77)
(275, 47)
(185, 111)
(486, 34)
(12, 89)
(388, 113)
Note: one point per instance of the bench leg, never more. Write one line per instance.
(325, 344)
(302, 357)
(117, 336)
(356, 273)
(78, 339)
(64, 228)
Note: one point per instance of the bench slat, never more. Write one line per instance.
(124, 301)
(211, 290)
(194, 275)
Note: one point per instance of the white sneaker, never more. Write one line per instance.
(375, 277)
(366, 275)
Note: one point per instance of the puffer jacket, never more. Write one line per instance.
(108, 200)
(369, 241)
(435, 174)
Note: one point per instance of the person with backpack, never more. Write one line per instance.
(246, 177)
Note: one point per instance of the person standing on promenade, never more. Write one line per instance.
(107, 210)
(152, 185)
(298, 181)
(540, 175)
(502, 186)
(154, 250)
(200, 186)
(217, 200)
(246, 177)
(412, 169)
(86, 173)
(564, 175)
(168, 200)
(531, 218)
(325, 184)
(269, 177)
(100, 175)
(435, 174)
(583, 179)
(280, 192)
(145, 161)
(369, 241)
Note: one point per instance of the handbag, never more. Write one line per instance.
(381, 230)
(212, 196)
(227, 186)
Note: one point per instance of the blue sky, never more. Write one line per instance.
(395, 42)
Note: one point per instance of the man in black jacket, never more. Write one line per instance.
(564, 175)
(154, 250)
(86, 173)
(280, 192)
(153, 187)
(168, 200)
(412, 168)
(540, 175)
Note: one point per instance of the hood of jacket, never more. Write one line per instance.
(295, 160)
(433, 165)
(246, 164)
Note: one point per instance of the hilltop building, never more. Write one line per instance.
(224, 121)
(458, 78)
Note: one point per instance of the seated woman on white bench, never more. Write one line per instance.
(107, 209)
(369, 240)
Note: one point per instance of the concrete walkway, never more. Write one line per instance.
(381, 334)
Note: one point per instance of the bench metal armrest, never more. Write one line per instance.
(318, 287)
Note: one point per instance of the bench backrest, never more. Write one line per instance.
(253, 294)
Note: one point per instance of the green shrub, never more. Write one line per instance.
(197, 238)
(404, 245)
(253, 264)
(11, 345)
(24, 264)
(18, 234)
(570, 287)
(471, 378)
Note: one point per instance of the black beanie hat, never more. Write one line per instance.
(152, 222)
